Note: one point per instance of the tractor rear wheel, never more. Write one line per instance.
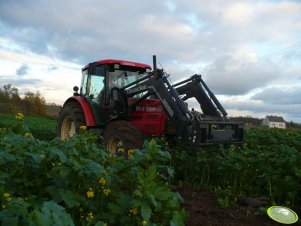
(69, 121)
(121, 136)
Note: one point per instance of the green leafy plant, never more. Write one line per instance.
(78, 183)
(267, 165)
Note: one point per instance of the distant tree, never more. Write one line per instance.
(53, 104)
(9, 93)
(34, 104)
(10, 100)
(247, 120)
(12, 103)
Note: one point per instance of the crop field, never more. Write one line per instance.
(41, 127)
(44, 181)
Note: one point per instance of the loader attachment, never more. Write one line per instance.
(212, 124)
(217, 132)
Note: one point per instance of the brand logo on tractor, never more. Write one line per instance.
(136, 89)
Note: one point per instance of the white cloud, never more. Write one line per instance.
(240, 73)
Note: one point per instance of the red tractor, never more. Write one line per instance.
(124, 101)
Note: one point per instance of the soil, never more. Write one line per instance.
(203, 210)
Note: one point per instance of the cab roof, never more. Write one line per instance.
(121, 62)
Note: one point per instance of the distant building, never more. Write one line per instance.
(274, 122)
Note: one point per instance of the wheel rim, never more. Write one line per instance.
(68, 128)
(115, 146)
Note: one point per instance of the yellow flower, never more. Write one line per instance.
(131, 153)
(90, 194)
(102, 181)
(144, 223)
(89, 217)
(83, 128)
(28, 135)
(133, 211)
(120, 150)
(19, 116)
(6, 195)
(106, 191)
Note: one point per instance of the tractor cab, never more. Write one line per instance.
(102, 83)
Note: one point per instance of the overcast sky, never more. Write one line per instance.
(248, 51)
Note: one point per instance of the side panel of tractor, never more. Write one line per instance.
(149, 117)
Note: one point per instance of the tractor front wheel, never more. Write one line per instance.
(69, 121)
(121, 136)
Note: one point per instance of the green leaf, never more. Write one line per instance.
(54, 192)
(6, 218)
(152, 199)
(151, 172)
(177, 219)
(70, 198)
(152, 147)
(64, 171)
(116, 209)
(162, 193)
(6, 157)
(3, 176)
(178, 197)
(146, 211)
(170, 171)
(57, 152)
(51, 214)
(75, 165)
(36, 157)
(165, 154)
(122, 203)
(94, 167)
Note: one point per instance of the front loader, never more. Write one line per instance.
(125, 101)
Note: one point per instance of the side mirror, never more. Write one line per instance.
(75, 89)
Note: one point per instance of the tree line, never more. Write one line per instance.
(30, 104)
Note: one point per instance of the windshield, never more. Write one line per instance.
(121, 78)
(93, 84)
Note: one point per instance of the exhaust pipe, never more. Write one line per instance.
(154, 62)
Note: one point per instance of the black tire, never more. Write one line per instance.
(121, 136)
(70, 119)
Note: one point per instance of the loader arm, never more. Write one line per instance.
(195, 87)
(189, 125)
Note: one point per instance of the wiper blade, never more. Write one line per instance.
(125, 75)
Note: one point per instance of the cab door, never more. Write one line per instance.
(94, 90)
